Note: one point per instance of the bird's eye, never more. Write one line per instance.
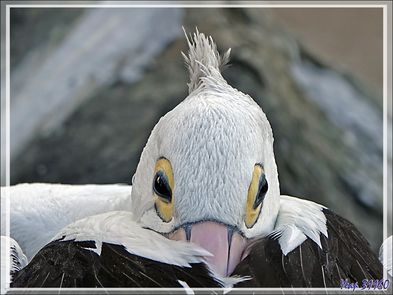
(262, 190)
(163, 184)
(161, 188)
(256, 194)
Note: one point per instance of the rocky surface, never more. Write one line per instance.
(327, 125)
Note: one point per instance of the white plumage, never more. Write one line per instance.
(118, 227)
(39, 211)
(297, 220)
(12, 259)
(385, 255)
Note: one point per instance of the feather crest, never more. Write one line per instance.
(204, 61)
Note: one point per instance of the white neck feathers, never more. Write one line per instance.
(298, 219)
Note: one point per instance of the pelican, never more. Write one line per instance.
(206, 209)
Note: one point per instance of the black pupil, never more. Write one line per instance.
(162, 190)
(261, 194)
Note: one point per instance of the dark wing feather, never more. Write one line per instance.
(347, 253)
(65, 264)
(69, 264)
(125, 269)
(344, 255)
(268, 267)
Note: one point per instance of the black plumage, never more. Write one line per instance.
(345, 254)
(67, 264)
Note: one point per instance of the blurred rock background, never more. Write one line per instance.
(88, 85)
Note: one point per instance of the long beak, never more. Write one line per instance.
(224, 242)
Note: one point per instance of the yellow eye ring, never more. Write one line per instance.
(163, 184)
(256, 194)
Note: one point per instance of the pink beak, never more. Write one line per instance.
(224, 243)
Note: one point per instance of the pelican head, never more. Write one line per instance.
(207, 173)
